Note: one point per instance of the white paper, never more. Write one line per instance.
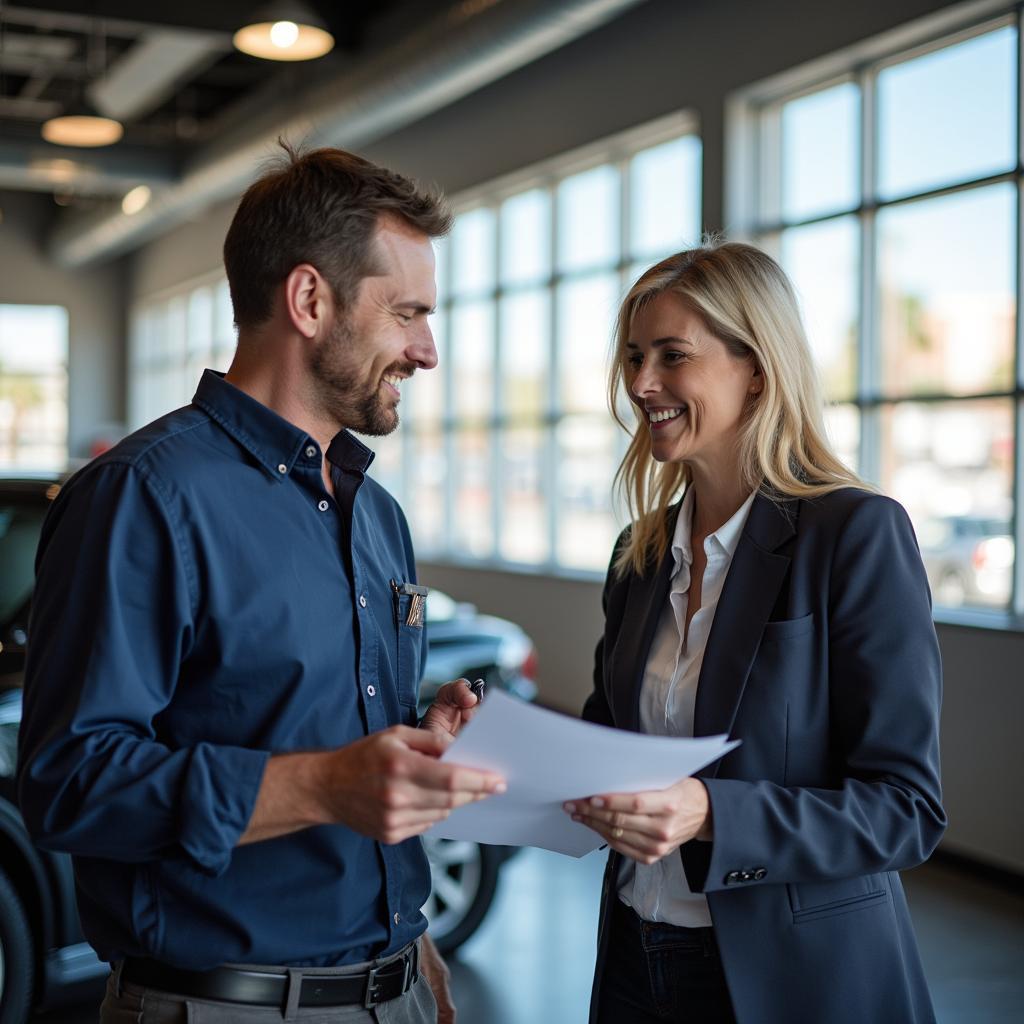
(546, 759)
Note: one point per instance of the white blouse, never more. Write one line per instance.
(668, 696)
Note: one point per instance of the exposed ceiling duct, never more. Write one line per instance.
(151, 70)
(473, 44)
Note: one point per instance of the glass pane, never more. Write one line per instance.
(820, 152)
(947, 307)
(33, 386)
(586, 317)
(386, 467)
(200, 321)
(472, 348)
(524, 533)
(951, 465)
(427, 482)
(425, 401)
(822, 260)
(472, 513)
(842, 423)
(442, 252)
(224, 336)
(588, 219)
(664, 201)
(175, 330)
(948, 116)
(525, 354)
(586, 466)
(472, 244)
(526, 237)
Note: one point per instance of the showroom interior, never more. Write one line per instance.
(874, 148)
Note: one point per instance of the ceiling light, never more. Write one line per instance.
(58, 172)
(287, 31)
(82, 130)
(136, 199)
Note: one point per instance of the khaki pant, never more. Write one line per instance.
(134, 1004)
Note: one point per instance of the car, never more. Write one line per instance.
(44, 958)
(968, 559)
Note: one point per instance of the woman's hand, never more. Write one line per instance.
(648, 826)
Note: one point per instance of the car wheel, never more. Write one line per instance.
(464, 878)
(16, 956)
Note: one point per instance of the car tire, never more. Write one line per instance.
(464, 878)
(17, 959)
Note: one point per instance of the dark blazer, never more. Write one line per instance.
(823, 660)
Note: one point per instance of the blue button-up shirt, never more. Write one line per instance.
(202, 602)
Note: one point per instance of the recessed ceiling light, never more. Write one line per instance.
(136, 199)
(58, 171)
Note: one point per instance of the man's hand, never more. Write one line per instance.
(436, 972)
(648, 826)
(388, 786)
(454, 705)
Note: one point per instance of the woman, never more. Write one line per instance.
(781, 601)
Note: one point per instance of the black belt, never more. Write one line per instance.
(263, 988)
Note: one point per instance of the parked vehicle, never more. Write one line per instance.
(44, 958)
(969, 560)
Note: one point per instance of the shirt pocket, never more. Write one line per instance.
(409, 602)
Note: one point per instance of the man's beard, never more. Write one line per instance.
(341, 390)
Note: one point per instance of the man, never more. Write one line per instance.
(227, 638)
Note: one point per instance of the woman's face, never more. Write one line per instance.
(689, 388)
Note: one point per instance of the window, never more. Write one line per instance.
(174, 338)
(33, 387)
(890, 192)
(507, 450)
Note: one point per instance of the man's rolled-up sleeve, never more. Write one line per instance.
(111, 625)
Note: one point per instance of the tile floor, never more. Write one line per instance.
(531, 961)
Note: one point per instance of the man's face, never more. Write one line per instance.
(384, 338)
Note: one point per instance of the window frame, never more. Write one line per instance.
(752, 173)
(617, 150)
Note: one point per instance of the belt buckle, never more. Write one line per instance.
(372, 990)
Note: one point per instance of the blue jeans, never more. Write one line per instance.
(657, 972)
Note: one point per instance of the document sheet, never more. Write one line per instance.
(546, 759)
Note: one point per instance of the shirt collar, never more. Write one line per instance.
(727, 536)
(274, 442)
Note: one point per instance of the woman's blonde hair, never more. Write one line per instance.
(745, 299)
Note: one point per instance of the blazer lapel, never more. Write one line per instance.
(645, 602)
(751, 588)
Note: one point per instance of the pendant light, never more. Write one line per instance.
(82, 125)
(286, 30)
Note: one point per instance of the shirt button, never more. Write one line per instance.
(323, 506)
(310, 452)
(372, 690)
(282, 468)
(362, 600)
(397, 917)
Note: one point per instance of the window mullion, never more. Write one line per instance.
(553, 411)
(499, 424)
(869, 340)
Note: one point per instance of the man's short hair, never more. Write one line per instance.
(321, 208)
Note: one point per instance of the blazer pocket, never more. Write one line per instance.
(810, 901)
(784, 629)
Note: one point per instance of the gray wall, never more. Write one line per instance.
(95, 302)
(664, 56)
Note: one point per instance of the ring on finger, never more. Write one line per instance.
(617, 832)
